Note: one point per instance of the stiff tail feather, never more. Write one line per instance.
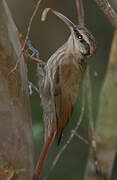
(43, 155)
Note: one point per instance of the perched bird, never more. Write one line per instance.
(60, 80)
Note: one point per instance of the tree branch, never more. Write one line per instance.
(107, 9)
(16, 144)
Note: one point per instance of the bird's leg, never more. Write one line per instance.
(31, 87)
(43, 155)
(35, 54)
(34, 57)
(95, 157)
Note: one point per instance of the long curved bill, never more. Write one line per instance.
(70, 25)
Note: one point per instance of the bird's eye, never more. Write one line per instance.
(79, 36)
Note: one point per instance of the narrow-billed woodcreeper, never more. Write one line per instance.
(60, 81)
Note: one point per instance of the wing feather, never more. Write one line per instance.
(64, 109)
(63, 101)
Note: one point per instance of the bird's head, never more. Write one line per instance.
(81, 40)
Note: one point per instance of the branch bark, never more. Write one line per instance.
(107, 9)
(16, 147)
(107, 118)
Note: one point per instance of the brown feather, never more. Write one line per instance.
(63, 96)
(64, 109)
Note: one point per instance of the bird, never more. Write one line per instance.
(60, 81)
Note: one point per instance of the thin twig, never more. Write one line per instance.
(107, 9)
(91, 128)
(80, 12)
(80, 137)
(27, 34)
(73, 133)
(30, 22)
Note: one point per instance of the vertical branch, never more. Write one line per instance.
(110, 13)
(16, 144)
(80, 12)
(107, 117)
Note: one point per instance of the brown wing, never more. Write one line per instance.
(64, 109)
(63, 98)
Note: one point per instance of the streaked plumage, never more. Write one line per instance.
(61, 80)
(64, 73)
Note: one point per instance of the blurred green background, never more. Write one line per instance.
(47, 37)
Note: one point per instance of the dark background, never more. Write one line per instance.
(47, 37)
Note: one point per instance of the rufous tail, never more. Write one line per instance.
(43, 155)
